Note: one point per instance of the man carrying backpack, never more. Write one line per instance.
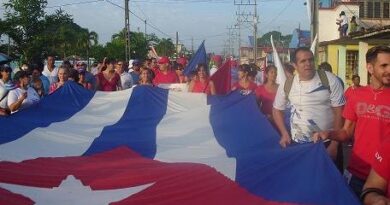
(316, 98)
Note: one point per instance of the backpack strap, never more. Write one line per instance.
(5, 95)
(322, 75)
(324, 79)
(288, 85)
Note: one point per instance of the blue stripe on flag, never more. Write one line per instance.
(137, 127)
(297, 174)
(59, 106)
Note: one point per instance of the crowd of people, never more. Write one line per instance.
(31, 82)
(310, 106)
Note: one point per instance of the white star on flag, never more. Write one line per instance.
(72, 191)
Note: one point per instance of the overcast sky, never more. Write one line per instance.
(199, 19)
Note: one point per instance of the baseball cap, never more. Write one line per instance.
(163, 60)
(136, 62)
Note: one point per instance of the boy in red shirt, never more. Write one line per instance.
(351, 90)
(367, 118)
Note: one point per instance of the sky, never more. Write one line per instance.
(207, 20)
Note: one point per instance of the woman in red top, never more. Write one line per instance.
(266, 93)
(62, 75)
(244, 83)
(108, 79)
(201, 82)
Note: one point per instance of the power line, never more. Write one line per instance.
(112, 3)
(280, 13)
(184, 1)
(75, 3)
(194, 1)
(139, 18)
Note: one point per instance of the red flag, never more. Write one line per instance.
(222, 78)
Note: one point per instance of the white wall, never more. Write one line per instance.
(327, 21)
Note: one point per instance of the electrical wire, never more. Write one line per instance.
(279, 14)
(139, 18)
(75, 3)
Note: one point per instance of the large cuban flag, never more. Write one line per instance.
(147, 145)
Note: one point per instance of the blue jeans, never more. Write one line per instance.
(356, 185)
(343, 30)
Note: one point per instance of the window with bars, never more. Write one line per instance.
(374, 9)
(377, 9)
(370, 9)
(361, 10)
(351, 65)
(386, 10)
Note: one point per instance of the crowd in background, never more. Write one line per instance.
(26, 85)
(309, 106)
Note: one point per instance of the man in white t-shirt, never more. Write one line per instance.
(126, 79)
(314, 106)
(50, 70)
(24, 96)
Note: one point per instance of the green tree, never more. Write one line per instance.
(98, 52)
(138, 45)
(54, 32)
(64, 37)
(165, 47)
(92, 40)
(24, 24)
(279, 39)
(116, 48)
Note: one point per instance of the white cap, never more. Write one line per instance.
(131, 63)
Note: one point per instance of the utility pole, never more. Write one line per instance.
(192, 44)
(145, 27)
(177, 44)
(229, 41)
(239, 32)
(314, 22)
(232, 36)
(9, 46)
(254, 21)
(127, 31)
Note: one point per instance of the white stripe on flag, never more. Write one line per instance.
(185, 134)
(73, 136)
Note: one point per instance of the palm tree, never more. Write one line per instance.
(165, 47)
(92, 40)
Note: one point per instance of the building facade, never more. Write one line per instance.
(347, 55)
